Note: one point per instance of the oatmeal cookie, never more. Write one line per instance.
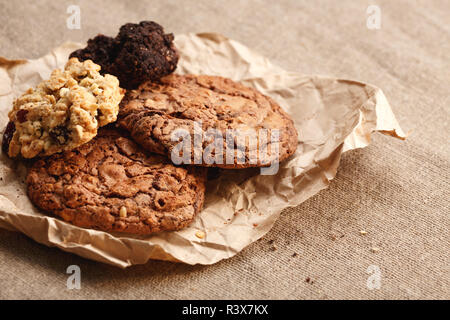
(156, 112)
(140, 52)
(63, 112)
(111, 184)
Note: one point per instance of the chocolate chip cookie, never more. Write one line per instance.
(111, 184)
(63, 112)
(140, 52)
(225, 123)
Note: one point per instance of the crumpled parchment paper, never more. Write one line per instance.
(331, 115)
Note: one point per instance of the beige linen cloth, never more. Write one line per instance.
(397, 192)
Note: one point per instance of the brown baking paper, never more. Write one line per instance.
(331, 115)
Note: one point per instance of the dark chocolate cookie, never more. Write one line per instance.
(240, 127)
(100, 50)
(110, 184)
(140, 52)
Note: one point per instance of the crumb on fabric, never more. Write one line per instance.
(309, 280)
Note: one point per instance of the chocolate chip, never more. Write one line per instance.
(59, 134)
(21, 115)
(161, 202)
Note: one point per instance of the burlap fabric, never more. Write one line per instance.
(398, 192)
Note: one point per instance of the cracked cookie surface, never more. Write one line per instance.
(63, 112)
(156, 110)
(111, 184)
(140, 52)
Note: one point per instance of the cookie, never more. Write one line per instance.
(247, 128)
(63, 112)
(111, 184)
(99, 50)
(140, 52)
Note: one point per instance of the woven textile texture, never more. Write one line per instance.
(398, 192)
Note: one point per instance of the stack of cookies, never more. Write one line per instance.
(119, 143)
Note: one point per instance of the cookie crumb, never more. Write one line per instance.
(123, 212)
(200, 234)
(294, 254)
(375, 249)
(363, 232)
(309, 280)
(273, 248)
